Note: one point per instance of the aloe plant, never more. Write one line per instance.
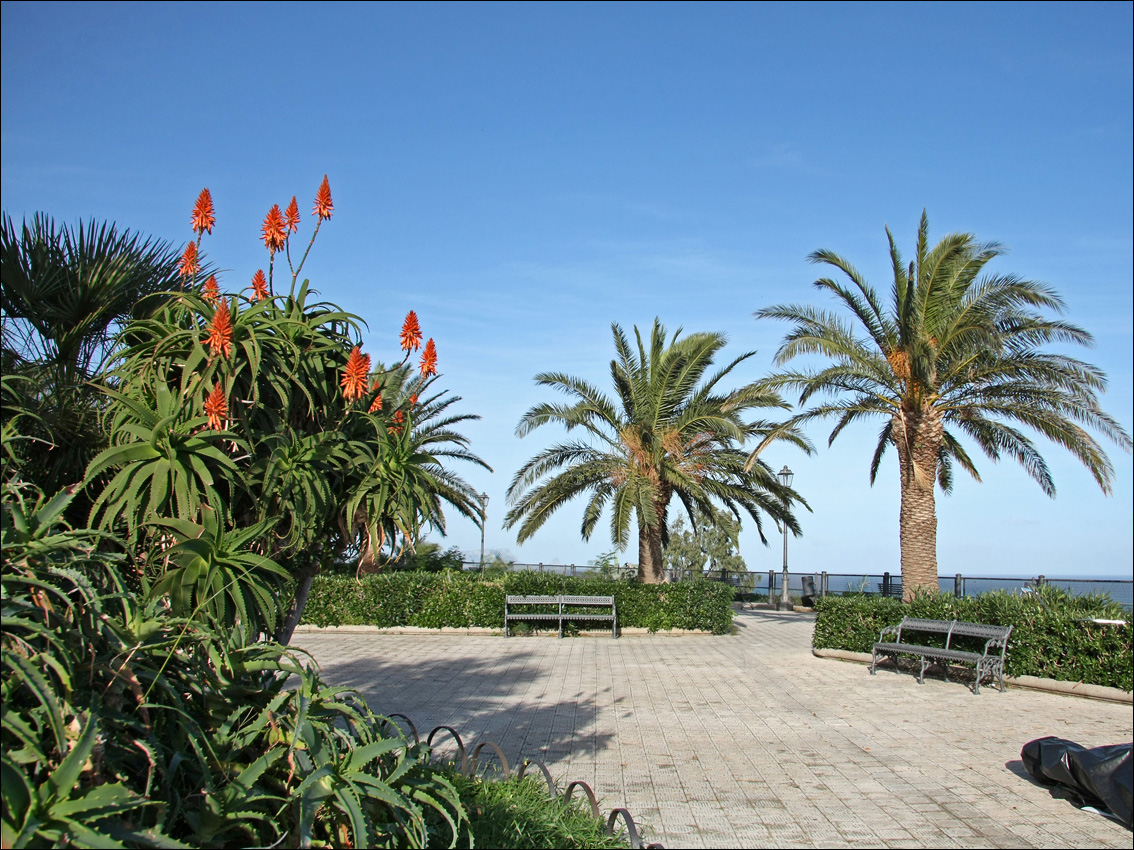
(125, 724)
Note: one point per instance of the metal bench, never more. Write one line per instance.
(567, 609)
(988, 663)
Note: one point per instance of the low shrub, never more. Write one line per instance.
(521, 813)
(461, 600)
(1053, 636)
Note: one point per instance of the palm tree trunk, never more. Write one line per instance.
(651, 566)
(917, 436)
(651, 562)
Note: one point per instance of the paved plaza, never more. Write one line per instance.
(746, 740)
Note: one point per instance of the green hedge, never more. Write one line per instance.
(1050, 638)
(461, 600)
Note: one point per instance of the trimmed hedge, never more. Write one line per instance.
(1050, 638)
(461, 600)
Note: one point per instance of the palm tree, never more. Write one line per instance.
(406, 484)
(955, 352)
(667, 433)
(64, 293)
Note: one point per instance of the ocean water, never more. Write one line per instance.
(1119, 588)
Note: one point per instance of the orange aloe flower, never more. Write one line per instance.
(399, 420)
(355, 374)
(203, 218)
(376, 405)
(210, 291)
(190, 265)
(274, 230)
(411, 333)
(413, 400)
(259, 286)
(220, 331)
(216, 408)
(291, 216)
(429, 359)
(323, 204)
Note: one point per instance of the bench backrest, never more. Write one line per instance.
(587, 600)
(957, 628)
(531, 600)
(980, 630)
(915, 624)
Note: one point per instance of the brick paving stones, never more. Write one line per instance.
(745, 740)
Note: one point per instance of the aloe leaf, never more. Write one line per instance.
(17, 794)
(352, 806)
(98, 802)
(44, 693)
(59, 784)
(362, 756)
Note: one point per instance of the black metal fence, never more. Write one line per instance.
(770, 583)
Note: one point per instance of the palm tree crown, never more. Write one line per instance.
(64, 293)
(666, 432)
(955, 352)
(407, 481)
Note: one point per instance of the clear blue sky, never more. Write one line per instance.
(524, 175)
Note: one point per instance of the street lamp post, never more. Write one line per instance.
(483, 520)
(786, 476)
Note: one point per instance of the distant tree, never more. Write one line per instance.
(608, 566)
(713, 544)
(666, 433)
(952, 353)
(429, 557)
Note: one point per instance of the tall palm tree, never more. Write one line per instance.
(665, 433)
(956, 351)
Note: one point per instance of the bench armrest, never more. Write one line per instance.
(997, 645)
(890, 630)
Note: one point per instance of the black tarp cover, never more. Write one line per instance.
(1102, 777)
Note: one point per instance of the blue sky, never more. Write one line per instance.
(524, 175)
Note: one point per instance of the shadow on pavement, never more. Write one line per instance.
(478, 699)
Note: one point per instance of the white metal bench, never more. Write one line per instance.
(567, 609)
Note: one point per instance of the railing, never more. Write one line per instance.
(876, 584)
(556, 569)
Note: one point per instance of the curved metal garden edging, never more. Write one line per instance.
(389, 719)
(469, 764)
(578, 783)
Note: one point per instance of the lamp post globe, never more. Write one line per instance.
(786, 476)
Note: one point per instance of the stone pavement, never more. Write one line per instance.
(746, 740)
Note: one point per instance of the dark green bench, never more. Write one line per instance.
(565, 609)
(904, 641)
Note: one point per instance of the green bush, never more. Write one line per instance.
(1052, 636)
(461, 600)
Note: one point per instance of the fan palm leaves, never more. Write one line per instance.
(64, 294)
(67, 291)
(670, 429)
(955, 352)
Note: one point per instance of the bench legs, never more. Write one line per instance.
(991, 669)
(994, 670)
